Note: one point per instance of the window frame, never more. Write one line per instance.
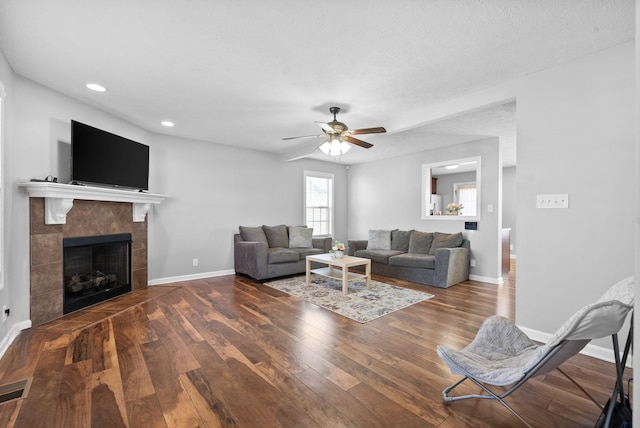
(330, 207)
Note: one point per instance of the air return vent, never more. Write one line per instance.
(14, 391)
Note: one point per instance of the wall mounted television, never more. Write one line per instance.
(101, 158)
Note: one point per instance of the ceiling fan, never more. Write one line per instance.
(338, 135)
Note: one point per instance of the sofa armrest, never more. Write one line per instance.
(322, 243)
(452, 266)
(354, 245)
(250, 258)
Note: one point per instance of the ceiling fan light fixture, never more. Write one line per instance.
(326, 147)
(345, 147)
(333, 146)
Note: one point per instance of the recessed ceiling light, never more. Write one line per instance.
(451, 166)
(167, 123)
(96, 87)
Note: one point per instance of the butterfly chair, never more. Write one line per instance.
(502, 355)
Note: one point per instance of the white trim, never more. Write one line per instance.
(426, 189)
(170, 279)
(12, 334)
(325, 175)
(591, 350)
(496, 281)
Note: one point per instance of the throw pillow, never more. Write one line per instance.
(445, 240)
(379, 240)
(300, 237)
(420, 242)
(277, 236)
(253, 234)
(400, 240)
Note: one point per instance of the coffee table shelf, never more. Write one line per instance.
(337, 274)
(342, 272)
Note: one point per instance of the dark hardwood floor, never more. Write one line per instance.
(230, 352)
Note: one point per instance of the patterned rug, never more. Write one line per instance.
(360, 304)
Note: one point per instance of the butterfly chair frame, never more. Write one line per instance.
(620, 364)
(600, 319)
(551, 361)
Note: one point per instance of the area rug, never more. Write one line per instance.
(360, 304)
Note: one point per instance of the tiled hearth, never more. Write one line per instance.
(86, 218)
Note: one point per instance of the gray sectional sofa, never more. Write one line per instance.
(265, 252)
(438, 259)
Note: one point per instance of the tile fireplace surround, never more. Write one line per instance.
(85, 218)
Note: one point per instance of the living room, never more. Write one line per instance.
(575, 135)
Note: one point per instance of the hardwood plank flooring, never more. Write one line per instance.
(230, 352)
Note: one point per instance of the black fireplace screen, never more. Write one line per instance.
(96, 268)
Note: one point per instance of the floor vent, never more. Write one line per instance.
(14, 391)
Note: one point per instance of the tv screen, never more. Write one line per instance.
(100, 157)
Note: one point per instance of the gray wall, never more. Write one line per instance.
(215, 188)
(575, 135)
(6, 128)
(387, 194)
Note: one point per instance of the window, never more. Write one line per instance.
(318, 202)
(465, 194)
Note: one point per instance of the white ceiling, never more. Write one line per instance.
(250, 72)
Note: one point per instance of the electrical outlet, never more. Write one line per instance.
(5, 313)
(473, 263)
(195, 262)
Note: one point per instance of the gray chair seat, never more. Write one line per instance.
(501, 354)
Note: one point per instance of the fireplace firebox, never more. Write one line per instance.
(95, 268)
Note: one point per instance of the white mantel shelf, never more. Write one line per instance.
(58, 198)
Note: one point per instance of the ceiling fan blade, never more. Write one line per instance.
(357, 142)
(378, 130)
(326, 128)
(304, 136)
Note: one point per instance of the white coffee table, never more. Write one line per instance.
(344, 263)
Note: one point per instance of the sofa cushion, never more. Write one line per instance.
(414, 260)
(379, 240)
(400, 240)
(378, 256)
(253, 234)
(420, 242)
(304, 252)
(445, 240)
(300, 237)
(277, 236)
(282, 255)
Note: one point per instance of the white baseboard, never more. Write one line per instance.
(595, 351)
(170, 279)
(490, 280)
(12, 334)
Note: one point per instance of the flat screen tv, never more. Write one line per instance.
(102, 158)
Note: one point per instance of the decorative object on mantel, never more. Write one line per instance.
(58, 198)
(454, 209)
(360, 304)
(337, 250)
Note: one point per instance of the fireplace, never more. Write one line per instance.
(95, 268)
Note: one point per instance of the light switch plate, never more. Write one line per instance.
(560, 200)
